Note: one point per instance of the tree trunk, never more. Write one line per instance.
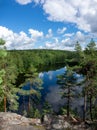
(29, 104)
(68, 103)
(5, 104)
(91, 117)
(85, 105)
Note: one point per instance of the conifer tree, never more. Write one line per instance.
(88, 67)
(8, 74)
(68, 82)
(35, 84)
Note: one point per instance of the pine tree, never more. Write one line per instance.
(8, 75)
(88, 67)
(35, 84)
(68, 82)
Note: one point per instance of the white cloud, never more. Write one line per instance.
(61, 31)
(82, 13)
(68, 43)
(39, 1)
(79, 36)
(68, 34)
(49, 45)
(64, 44)
(50, 33)
(24, 2)
(36, 39)
(35, 34)
(59, 10)
(19, 40)
(56, 39)
(65, 41)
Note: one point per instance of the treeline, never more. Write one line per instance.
(24, 58)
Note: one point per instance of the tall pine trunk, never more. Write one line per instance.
(90, 100)
(29, 102)
(5, 100)
(68, 103)
(85, 106)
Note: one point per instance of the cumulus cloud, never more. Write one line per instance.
(24, 2)
(68, 34)
(59, 10)
(19, 40)
(36, 39)
(50, 45)
(35, 34)
(50, 33)
(79, 36)
(59, 45)
(82, 13)
(68, 42)
(61, 31)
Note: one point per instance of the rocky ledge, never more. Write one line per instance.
(13, 121)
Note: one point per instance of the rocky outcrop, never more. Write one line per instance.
(63, 123)
(13, 121)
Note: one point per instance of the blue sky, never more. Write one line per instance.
(47, 24)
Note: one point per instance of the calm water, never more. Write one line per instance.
(51, 91)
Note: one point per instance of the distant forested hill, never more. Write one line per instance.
(24, 58)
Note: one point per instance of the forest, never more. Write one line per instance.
(18, 67)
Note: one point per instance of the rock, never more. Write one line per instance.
(59, 123)
(34, 121)
(47, 119)
(13, 121)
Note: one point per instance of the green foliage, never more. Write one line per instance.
(37, 114)
(91, 46)
(1, 105)
(67, 82)
(63, 111)
(34, 113)
(94, 112)
(47, 108)
(31, 112)
(38, 58)
(2, 42)
(8, 74)
(88, 67)
(78, 47)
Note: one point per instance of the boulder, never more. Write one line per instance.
(13, 121)
(59, 123)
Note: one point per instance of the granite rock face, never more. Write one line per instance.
(13, 121)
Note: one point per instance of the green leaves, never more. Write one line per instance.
(2, 73)
(2, 42)
(3, 54)
(8, 74)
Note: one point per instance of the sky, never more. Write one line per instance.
(48, 24)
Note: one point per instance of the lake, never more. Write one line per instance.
(51, 91)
